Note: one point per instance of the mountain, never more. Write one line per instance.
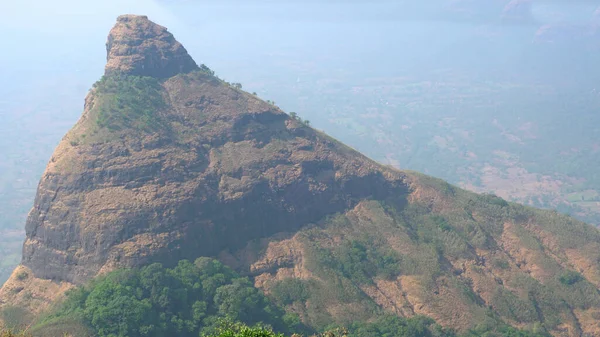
(169, 163)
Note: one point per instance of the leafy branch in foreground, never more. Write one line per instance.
(229, 329)
(187, 300)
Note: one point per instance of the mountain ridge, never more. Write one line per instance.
(163, 169)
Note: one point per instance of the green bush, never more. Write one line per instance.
(229, 329)
(509, 305)
(290, 290)
(501, 263)
(394, 326)
(570, 278)
(493, 200)
(205, 69)
(506, 331)
(226, 328)
(441, 223)
(362, 262)
(155, 301)
(22, 275)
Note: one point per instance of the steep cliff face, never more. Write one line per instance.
(168, 162)
(137, 46)
(213, 168)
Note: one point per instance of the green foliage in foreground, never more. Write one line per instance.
(229, 329)
(200, 298)
(394, 326)
(421, 326)
(506, 331)
(387, 326)
(187, 300)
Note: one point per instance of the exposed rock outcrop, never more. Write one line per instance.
(221, 168)
(138, 46)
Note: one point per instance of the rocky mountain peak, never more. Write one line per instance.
(154, 180)
(138, 46)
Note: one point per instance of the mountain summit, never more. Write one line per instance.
(164, 168)
(138, 46)
(169, 162)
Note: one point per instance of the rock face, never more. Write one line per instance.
(137, 46)
(200, 182)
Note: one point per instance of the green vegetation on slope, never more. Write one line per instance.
(387, 326)
(241, 330)
(451, 260)
(128, 101)
(201, 299)
(421, 326)
(154, 301)
(350, 253)
(122, 104)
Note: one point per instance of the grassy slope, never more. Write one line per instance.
(467, 260)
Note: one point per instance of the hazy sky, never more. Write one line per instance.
(61, 16)
(68, 36)
(63, 37)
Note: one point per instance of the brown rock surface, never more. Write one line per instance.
(138, 46)
(223, 168)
